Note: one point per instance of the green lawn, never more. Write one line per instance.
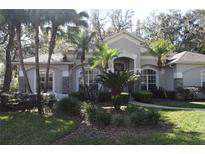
(187, 127)
(187, 104)
(30, 128)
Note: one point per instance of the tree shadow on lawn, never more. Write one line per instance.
(173, 137)
(31, 128)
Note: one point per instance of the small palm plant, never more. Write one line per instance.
(116, 81)
(102, 56)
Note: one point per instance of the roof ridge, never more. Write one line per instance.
(182, 55)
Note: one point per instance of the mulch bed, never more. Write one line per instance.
(114, 134)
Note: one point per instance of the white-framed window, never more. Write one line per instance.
(203, 78)
(50, 81)
(148, 79)
(90, 76)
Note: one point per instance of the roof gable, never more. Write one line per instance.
(187, 57)
(125, 34)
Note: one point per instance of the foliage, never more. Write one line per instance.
(186, 94)
(89, 112)
(68, 106)
(103, 119)
(79, 95)
(119, 120)
(30, 128)
(116, 81)
(102, 56)
(160, 93)
(186, 34)
(14, 85)
(144, 117)
(104, 96)
(132, 107)
(160, 48)
(202, 89)
(145, 96)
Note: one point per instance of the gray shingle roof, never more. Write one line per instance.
(187, 57)
(43, 58)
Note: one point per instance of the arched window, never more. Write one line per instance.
(148, 78)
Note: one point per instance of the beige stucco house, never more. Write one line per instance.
(182, 70)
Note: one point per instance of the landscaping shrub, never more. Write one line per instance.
(153, 117)
(144, 96)
(118, 120)
(186, 93)
(68, 106)
(104, 97)
(144, 116)
(103, 119)
(138, 118)
(89, 112)
(78, 95)
(132, 108)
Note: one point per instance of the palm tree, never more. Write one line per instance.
(37, 17)
(116, 81)
(82, 40)
(102, 56)
(58, 18)
(21, 17)
(7, 19)
(160, 48)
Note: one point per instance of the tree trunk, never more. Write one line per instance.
(50, 52)
(18, 33)
(8, 69)
(85, 87)
(38, 86)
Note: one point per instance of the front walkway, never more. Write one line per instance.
(165, 107)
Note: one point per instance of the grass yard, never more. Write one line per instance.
(30, 128)
(186, 104)
(187, 127)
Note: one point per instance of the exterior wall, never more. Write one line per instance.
(168, 79)
(191, 74)
(127, 49)
(148, 61)
(58, 78)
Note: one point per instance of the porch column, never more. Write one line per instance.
(135, 64)
(65, 82)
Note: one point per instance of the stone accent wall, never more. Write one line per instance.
(65, 85)
(178, 82)
(22, 84)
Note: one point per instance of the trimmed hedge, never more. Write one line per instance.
(122, 99)
(144, 96)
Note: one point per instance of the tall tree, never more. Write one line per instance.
(58, 18)
(121, 20)
(21, 17)
(37, 18)
(7, 20)
(83, 41)
(99, 21)
(160, 48)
